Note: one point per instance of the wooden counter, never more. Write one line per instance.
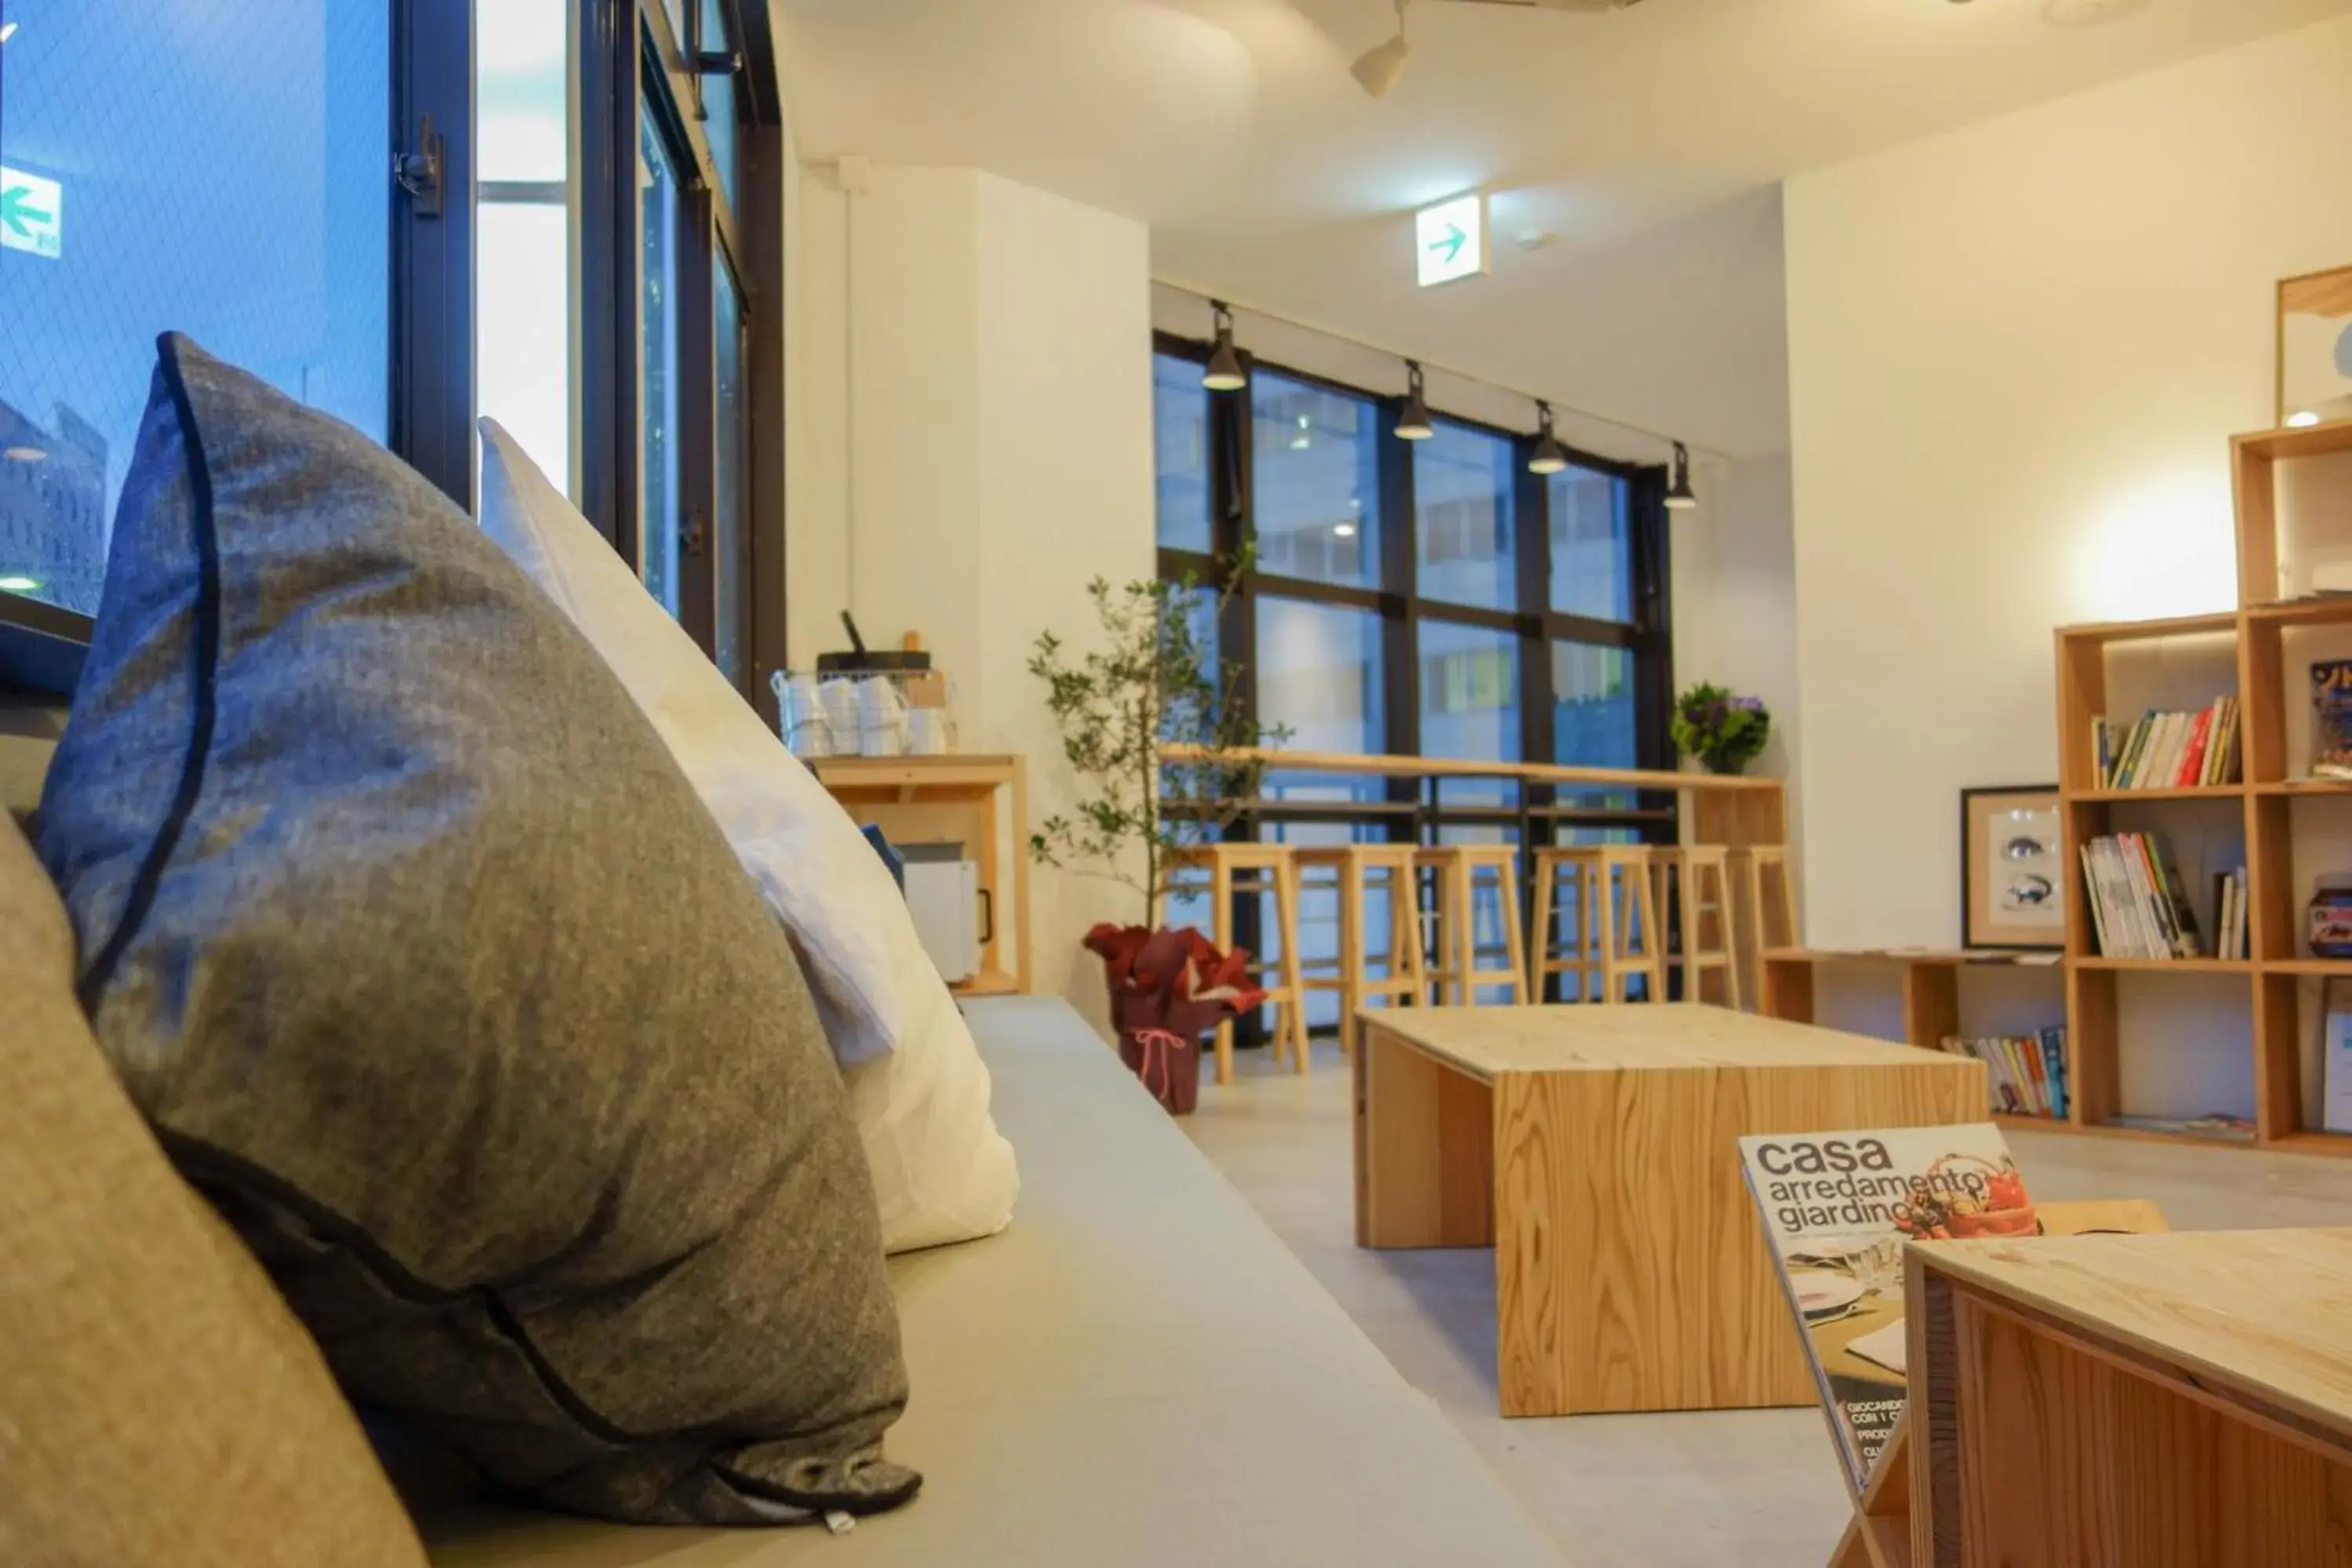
(2179, 1401)
(1727, 808)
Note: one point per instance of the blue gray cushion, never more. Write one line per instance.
(402, 927)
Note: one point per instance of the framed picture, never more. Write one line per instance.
(2013, 868)
(2314, 348)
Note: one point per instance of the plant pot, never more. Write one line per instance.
(1719, 763)
(1169, 1064)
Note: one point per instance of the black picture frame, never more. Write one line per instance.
(1979, 928)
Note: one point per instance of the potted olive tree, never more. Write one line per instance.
(1152, 682)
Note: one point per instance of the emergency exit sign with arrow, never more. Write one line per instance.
(1450, 239)
(31, 214)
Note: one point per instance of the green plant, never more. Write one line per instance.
(1725, 732)
(1151, 683)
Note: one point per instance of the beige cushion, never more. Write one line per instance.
(158, 1403)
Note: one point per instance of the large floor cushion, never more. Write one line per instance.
(1138, 1373)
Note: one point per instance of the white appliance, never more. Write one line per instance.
(943, 894)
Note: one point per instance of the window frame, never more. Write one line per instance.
(1543, 810)
(630, 55)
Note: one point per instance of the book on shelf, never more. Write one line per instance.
(2229, 914)
(2026, 1074)
(2331, 719)
(2169, 749)
(1838, 1209)
(2140, 904)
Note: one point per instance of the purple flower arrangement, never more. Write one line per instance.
(1723, 731)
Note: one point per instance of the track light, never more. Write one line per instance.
(1223, 372)
(1678, 491)
(1413, 425)
(1549, 457)
(1378, 70)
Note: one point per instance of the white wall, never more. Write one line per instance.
(1735, 607)
(2017, 354)
(972, 443)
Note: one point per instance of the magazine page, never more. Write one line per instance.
(1838, 1208)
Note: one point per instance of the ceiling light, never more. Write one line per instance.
(1343, 530)
(1304, 439)
(1678, 490)
(7, 31)
(1413, 424)
(1549, 457)
(2302, 419)
(18, 585)
(1378, 70)
(23, 454)
(1223, 372)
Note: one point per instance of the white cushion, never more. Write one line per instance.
(921, 1091)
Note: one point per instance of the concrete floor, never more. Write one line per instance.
(1740, 1489)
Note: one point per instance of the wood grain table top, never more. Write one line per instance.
(2266, 1313)
(1630, 1035)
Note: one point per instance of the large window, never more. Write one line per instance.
(228, 178)
(565, 216)
(1429, 597)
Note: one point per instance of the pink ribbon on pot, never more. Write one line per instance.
(1154, 1046)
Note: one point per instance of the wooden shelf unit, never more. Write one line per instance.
(2268, 686)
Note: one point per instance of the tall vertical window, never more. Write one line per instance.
(659, 504)
(1316, 477)
(523, 50)
(229, 180)
(1464, 485)
(732, 436)
(1180, 417)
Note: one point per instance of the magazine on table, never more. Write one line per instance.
(1838, 1209)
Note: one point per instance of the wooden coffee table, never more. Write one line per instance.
(1595, 1148)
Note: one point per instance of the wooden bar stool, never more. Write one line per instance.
(1694, 882)
(1614, 930)
(1458, 871)
(1767, 900)
(1358, 869)
(1250, 867)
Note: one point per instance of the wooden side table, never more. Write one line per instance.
(1595, 1147)
(979, 802)
(2175, 1401)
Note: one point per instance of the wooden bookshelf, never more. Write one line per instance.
(2253, 650)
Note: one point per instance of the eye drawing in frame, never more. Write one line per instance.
(2013, 868)
(2314, 348)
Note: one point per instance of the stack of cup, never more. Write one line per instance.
(801, 716)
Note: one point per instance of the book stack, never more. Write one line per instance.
(2027, 1072)
(2229, 914)
(2138, 903)
(2169, 751)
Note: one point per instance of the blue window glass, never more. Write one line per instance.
(1316, 481)
(718, 97)
(522, 261)
(220, 171)
(730, 440)
(1464, 497)
(1318, 675)
(1591, 545)
(1593, 705)
(1470, 705)
(659, 513)
(1179, 414)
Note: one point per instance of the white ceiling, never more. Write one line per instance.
(1644, 143)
